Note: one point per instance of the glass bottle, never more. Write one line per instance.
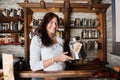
(89, 34)
(7, 12)
(96, 34)
(11, 12)
(84, 34)
(4, 12)
(20, 12)
(11, 25)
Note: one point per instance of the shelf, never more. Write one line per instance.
(11, 31)
(67, 10)
(12, 43)
(89, 38)
(60, 5)
(9, 19)
(72, 27)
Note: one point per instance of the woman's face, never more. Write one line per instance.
(52, 26)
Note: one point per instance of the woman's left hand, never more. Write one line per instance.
(62, 57)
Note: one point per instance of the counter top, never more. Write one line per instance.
(63, 74)
(100, 73)
(58, 74)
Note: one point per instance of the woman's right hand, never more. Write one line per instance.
(62, 57)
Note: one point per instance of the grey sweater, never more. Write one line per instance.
(39, 52)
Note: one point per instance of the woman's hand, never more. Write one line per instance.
(117, 68)
(62, 57)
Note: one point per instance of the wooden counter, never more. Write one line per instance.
(103, 73)
(58, 74)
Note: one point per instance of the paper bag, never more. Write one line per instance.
(77, 47)
(76, 50)
(8, 72)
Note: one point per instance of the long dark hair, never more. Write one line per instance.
(41, 31)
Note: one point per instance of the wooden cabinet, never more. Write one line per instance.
(67, 9)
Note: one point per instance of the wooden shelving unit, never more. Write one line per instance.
(7, 31)
(66, 8)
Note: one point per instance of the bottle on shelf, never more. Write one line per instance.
(77, 22)
(96, 45)
(20, 26)
(20, 13)
(88, 22)
(92, 33)
(11, 25)
(85, 22)
(89, 34)
(96, 33)
(61, 22)
(6, 12)
(13, 12)
(83, 34)
(97, 22)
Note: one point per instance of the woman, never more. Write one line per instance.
(46, 49)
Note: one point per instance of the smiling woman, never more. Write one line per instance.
(46, 49)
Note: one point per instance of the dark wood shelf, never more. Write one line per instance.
(11, 31)
(66, 9)
(14, 43)
(76, 7)
(89, 38)
(9, 19)
(75, 27)
(61, 5)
